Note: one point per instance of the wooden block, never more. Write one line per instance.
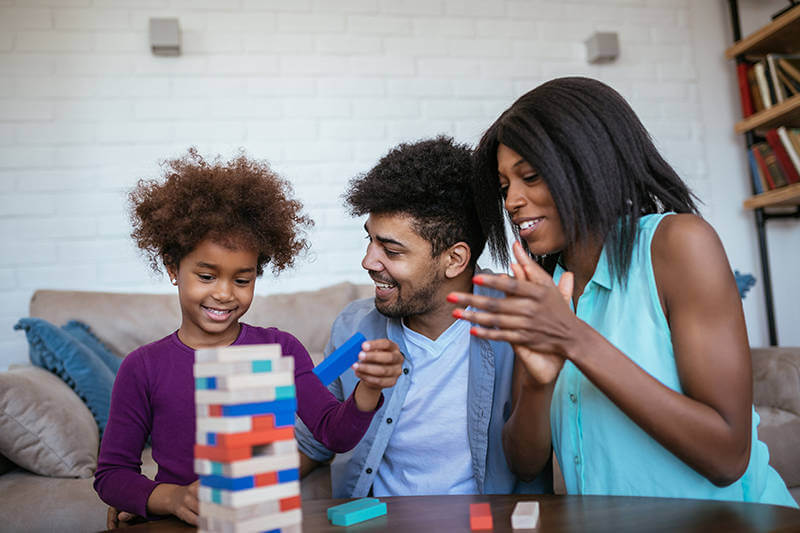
(240, 424)
(243, 498)
(284, 364)
(251, 438)
(248, 467)
(262, 479)
(480, 516)
(274, 521)
(356, 512)
(239, 396)
(248, 352)
(247, 409)
(340, 360)
(525, 515)
(266, 507)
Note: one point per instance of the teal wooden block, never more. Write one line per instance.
(355, 504)
(367, 511)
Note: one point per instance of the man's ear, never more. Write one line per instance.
(457, 259)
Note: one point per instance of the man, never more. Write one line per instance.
(439, 429)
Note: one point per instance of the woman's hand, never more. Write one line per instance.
(379, 365)
(534, 317)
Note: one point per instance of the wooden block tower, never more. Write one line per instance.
(245, 452)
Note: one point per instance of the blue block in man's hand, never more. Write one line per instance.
(340, 360)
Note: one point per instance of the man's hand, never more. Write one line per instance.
(379, 365)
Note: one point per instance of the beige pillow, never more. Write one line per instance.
(44, 425)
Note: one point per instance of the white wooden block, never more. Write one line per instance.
(525, 515)
(246, 381)
(250, 467)
(204, 370)
(216, 396)
(248, 352)
(224, 424)
(253, 525)
(243, 498)
(222, 512)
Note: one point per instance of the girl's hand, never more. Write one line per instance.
(116, 519)
(184, 503)
(534, 318)
(379, 365)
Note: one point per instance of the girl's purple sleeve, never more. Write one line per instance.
(338, 426)
(118, 479)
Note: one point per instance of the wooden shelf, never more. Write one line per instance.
(779, 37)
(783, 197)
(787, 113)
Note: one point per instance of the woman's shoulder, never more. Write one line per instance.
(683, 237)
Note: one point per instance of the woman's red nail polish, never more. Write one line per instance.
(458, 313)
(477, 280)
(473, 331)
(452, 298)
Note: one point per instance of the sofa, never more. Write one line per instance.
(64, 500)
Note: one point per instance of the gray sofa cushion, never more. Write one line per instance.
(44, 426)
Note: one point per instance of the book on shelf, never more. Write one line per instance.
(782, 157)
(775, 95)
(763, 86)
(789, 88)
(790, 65)
(744, 89)
(758, 150)
(791, 151)
(755, 91)
(759, 184)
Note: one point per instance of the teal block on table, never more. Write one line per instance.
(355, 504)
(366, 510)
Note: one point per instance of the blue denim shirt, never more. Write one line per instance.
(489, 395)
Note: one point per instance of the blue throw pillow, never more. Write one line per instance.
(60, 352)
(83, 333)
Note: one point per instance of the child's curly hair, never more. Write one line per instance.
(238, 203)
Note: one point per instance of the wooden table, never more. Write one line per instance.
(423, 514)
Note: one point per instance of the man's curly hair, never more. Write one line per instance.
(239, 203)
(430, 181)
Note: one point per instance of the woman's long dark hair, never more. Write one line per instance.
(597, 160)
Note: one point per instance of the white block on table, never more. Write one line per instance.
(224, 424)
(212, 369)
(243, 498)
(525, 515)
(248, 352)
(263, 379)
(253, 525)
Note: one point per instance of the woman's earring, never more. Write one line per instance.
(174, 281)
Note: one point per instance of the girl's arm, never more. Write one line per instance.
(708, 427)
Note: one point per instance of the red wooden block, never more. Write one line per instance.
(480, 516)
(287, 504)
(254, 438)
(262, 422)
(222, 455)
(214, 410)
(267, 478)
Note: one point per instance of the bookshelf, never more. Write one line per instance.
(781, 36)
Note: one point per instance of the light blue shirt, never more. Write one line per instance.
(488, 407)
(428, 453)
(600, 449)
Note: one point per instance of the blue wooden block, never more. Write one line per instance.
(260, 408)
(366, 510)
(340, 360)
(205, 383)
(355, 504)
(290, 474)
(228, 483)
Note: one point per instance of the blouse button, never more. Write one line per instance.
(572, 397)
(577, 460)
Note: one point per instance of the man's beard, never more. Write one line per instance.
(419, 302)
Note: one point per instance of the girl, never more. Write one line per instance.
(646, 386)
(214, 226)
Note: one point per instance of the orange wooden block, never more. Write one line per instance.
(287, 504)
(480, 516)
(262, 422)
(214, 410)
(254, 438)
(267, 478)
(222, 454)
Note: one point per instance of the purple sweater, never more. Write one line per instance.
(153, 396)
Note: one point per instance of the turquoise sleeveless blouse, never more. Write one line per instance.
(600, 450)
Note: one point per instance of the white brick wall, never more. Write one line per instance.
(320, 88)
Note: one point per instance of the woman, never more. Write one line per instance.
(646, 388)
